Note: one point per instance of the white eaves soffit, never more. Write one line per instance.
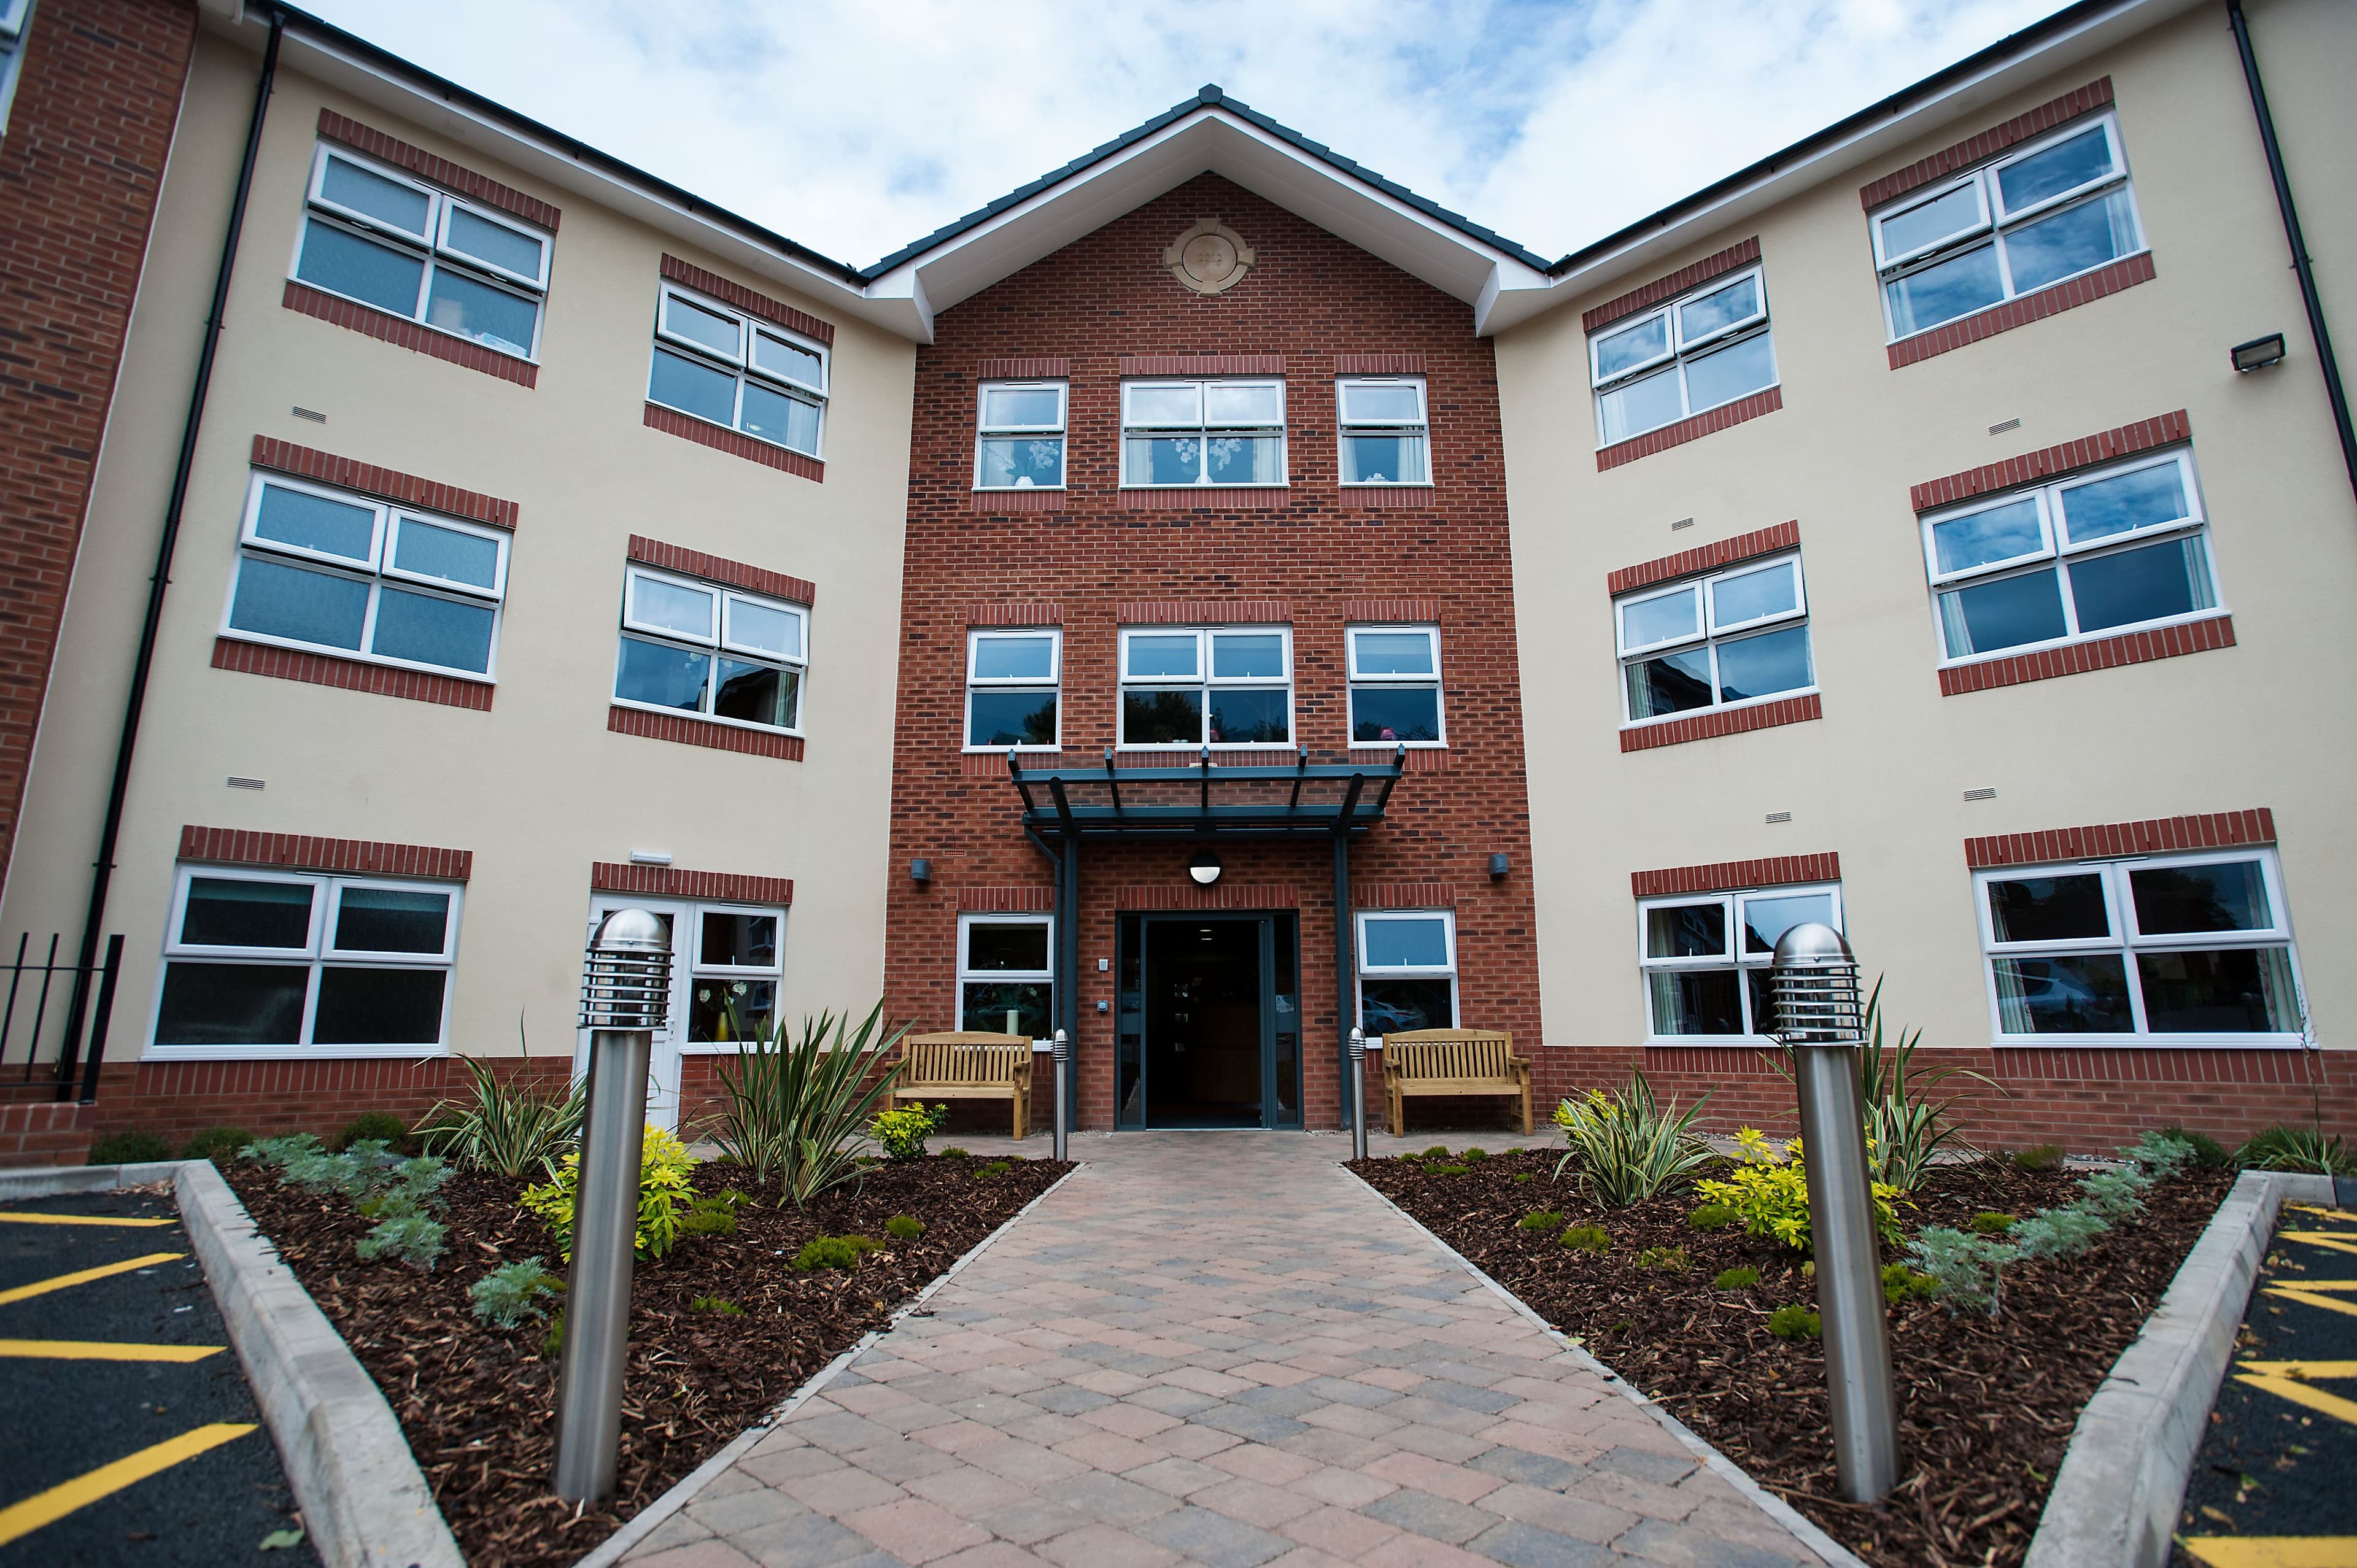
(1209, 140)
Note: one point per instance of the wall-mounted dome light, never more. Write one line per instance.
(1204, 867)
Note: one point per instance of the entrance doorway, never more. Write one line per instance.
(1210, 1032)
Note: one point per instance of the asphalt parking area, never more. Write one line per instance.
(129, 1436)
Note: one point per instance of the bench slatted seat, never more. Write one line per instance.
(1451, 1061)
(967, 1063)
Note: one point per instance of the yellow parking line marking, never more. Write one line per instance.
(2300, 1393)
(2327, 1213)
(2274, 1551)
(103, 1350)
(12, 1218)
(2322, 1285)
(2299, 1294)
(84, 1276)
(2310, 1369)
(2338, 1243)
(19, 1519)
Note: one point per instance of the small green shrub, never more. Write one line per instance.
(663, 1167)
(834, 1252)
(1712, 1217)
(2282, 1148)
(1449, 1170)
(954, 1153)
(219, 1144)
(507, 1124)
(379, 1126)
(1628, 1146)
(1965, 1269)
(1671, 1260)
(2209, 1155)
(1794, 1321)
(1474, 1156)
(2113, 1194)
(1900, 1283)
(1437, 1152)
(1522, 1177)
(1013, 1159)
(904, 1227)
(2039, 1157)
(414, 1238)
(510, 1295)
(1544, 1219)
(1588, 1239)
(2056, 1233)
(996, 1167)
(136, 1148)
(1990, 1223)
(901, 1132)
(553, 1343)
(717, 1304)
(709, 1217)
(1736, 1279)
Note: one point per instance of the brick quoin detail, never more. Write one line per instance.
(1187, 895)
(720, 438)
(1379, 364)
(2053, 462)
(2079, 658)
(1735, 258)
(351, 674)
(677, 882)
(386, 483)
(1706, 558)
(1405, 896)
(1026, 498)
(1202, 364)
(1203, 612)
(403, 332)
(1017, 367)
(718, 569)
(1973, 150)
(2155, 835)
(775, 312)
(689, 730)
(1709, 423)
(300, 851)
(96, 105)
(1723, 721)
(1731, 876)
(2020, 311)
(1032, 899)
(441, 171)
(1015, 615)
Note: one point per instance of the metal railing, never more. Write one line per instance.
(39, 993)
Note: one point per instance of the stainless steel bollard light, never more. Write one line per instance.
(1818, 1016)
(1062, 1058)
(625, 997)
(1358, 1093)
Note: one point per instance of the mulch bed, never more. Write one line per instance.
(1986, 1405)
(478, 1403)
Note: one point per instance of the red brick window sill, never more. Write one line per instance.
(687, 729)
(1030, 500)
(1205, 497)
(351, 674)
(1714, 722)
(1693, 428)
(2097, 653)
(2052, 300)
(385, 327)
(720, 438)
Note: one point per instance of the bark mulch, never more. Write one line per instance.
(478, 1403)
(1986, 1405)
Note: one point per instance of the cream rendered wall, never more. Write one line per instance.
(536, 787)
(1880, 778)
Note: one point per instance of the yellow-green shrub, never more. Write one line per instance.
(1769, 1192)
(665, 1166)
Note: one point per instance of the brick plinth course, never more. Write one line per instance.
(1154, 1367)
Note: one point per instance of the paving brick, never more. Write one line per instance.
(1528, 1546)
(1439, 1517)
(1202, 1536)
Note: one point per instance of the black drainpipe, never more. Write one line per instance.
(2333, 390)
(102, 870)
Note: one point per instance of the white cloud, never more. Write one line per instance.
(855, 127)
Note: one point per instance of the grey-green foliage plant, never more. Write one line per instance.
(1966, 1270)
(506, 1125)
(1628, 1146)
(510, 1295)
(399, 1194)
(793, 1107)
(2113, 1194)
(414, 1238)
(2056, 1233)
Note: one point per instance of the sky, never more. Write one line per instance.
(854, 126)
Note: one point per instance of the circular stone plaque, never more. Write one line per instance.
(1209, 258)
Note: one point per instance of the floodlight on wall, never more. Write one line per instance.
(2258, 353)
(1204, 867)
(920, 871)
(1498, 866)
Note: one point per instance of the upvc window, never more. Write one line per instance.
(738, 957)
(1384, 434)
(1704, 348)
(327, 569)
(16, 18)
(1706, 959)
(1007, 974)
(1408, 970)
(722, 365)
(1208, 686)
(1395, 685)
(273, 963)
(2169, 945)
(1012, 687)
(2099, 552)
(1019, 437)
(1202, 432)
(694, 647)
(1733, 637)
(383, 238)
(2054, 209)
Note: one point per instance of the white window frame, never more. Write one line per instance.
(1710, 635)
(1680, 351)
(2056, 553)
(376, 571)
(1362, 919)
(1206, 430)
(985, 431)
(1203, 679)
(1995, 219)
(1346, 427)
(16, 21)
(1054, 682)
(967, 975)
(318, 954)
(741, 366)
(431, 246)
(1731, 903)
(2119, 905)
(1356, 680)
(697, 971)
(715, 643)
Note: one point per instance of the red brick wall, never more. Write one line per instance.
(80, 168)
(44, 1133)
(1311, 299)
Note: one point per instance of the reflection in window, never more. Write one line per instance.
(1737, 636)
(1698, 981)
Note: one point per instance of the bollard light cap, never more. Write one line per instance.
(1813, 945)
(631, 930)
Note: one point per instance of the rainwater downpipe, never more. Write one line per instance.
(2333, 390)
(103, 869)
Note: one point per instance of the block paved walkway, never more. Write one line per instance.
(1217, 1347)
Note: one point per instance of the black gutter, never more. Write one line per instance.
(103, 873)
(2333, 391)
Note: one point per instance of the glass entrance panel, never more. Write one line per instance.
(1207, 1032)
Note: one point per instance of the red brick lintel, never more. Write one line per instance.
(1731, 876)
(2154, 835)
(1030, 898)
(1186, 896)
(2052, 462)
(777, 312)
(1972, 150)
(386, 483)
(1733, 259)
(1023, 367)
(716, 569)
(1203, 612)
(979, 613)
(441, 171)
(301, 851)
(1705, 558)
(677, 882)
(1692, 428)
(1202, 364)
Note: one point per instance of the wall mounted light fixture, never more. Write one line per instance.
(920, 871)
(1204, 867)
(2258, 353)
(1498, 866)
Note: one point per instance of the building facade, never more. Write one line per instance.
(1256, 601)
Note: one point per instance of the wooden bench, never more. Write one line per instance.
(1451, 1061)
(966, 1064)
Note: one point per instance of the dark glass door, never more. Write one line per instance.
(1208, 1022)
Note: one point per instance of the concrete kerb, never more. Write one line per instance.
(1830, 1551)
(365, 1504)
(644, 1522)
(2123, 1478)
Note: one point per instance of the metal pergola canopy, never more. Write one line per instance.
(1207, 799)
